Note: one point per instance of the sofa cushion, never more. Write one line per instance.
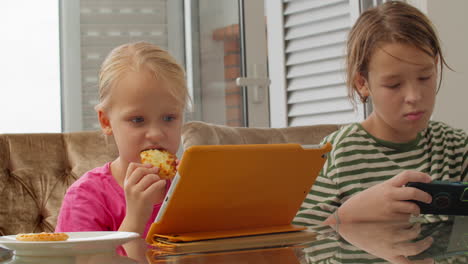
(37, 169)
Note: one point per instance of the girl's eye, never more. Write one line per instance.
(425, 78)
(168, 118)
(137, 119)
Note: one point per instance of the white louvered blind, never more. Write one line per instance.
(106, 24)
(314, 33)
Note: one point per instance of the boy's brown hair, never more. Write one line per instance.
(391, 22)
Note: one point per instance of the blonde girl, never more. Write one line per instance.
(142, 97)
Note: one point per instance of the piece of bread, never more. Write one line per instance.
(165, 161)
(42, 237)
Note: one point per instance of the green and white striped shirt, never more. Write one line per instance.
(358, 161)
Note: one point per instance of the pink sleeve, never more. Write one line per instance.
(82, 210)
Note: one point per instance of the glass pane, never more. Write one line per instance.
(216, 62)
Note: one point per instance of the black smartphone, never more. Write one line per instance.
(448, 198)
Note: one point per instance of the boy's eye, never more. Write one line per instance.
(392, 86)
(425, 78)
(137, 119)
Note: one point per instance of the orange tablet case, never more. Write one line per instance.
(238, 190)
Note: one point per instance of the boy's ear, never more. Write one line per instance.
(105, 123)
(362, 85)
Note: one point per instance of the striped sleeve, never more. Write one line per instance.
(465, 161)
(450, 151)
(323, 199)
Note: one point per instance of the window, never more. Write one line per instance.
(204, 36)
(30, 89)
(226, 52)
(90, 30)
(306, 51)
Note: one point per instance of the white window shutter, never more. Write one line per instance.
(307, 45)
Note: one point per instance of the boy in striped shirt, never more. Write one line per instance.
(393, 57)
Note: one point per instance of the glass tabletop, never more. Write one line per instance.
(438, 239)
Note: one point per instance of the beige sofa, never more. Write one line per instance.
(36, 169)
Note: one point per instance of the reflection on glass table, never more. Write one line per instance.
(278, 255)
(450, 240)
(80, 247)
(107, 258)
(423, 240)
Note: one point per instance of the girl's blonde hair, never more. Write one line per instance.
(137, 57)
(391, 22)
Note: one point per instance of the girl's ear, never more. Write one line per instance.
(105, 123)
(362, 86)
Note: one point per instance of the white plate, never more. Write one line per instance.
(77, 243)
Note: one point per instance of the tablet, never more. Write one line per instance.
(233, 190)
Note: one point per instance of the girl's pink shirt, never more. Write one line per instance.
(96, 202)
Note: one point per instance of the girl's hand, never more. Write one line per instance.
(387, 201)
(143, 188)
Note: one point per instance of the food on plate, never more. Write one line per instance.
(164, 160)
(42, 237)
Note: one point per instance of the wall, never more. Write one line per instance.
(451, 20)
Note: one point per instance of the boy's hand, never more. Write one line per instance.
(387, 201)
(143, 188)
